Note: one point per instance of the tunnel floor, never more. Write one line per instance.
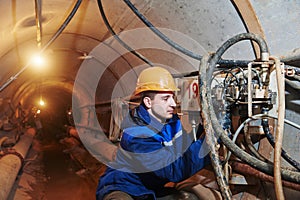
(50, 173)
(63, 180)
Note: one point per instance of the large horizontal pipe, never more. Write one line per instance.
(11, 162)
(248, 170)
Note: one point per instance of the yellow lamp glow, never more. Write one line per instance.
(38, 61)
(42, 102)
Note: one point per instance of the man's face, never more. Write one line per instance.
(162, 106)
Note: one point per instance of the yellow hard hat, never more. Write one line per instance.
(155, 79)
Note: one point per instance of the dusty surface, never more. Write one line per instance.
(50, 173)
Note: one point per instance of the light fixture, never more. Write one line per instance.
(41, 102)
(38, 61)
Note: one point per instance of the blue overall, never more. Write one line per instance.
(151, 154)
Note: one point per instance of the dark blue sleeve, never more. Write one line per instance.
(194, 159)
(167, 162)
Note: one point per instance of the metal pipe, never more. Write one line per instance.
(249, 90)
(248, 170)
(11, 163)
(279, 129)
(38, 14)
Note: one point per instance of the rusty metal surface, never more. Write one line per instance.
(248, 170)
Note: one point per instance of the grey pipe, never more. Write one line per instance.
(11, 163)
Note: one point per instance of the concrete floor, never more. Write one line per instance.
(50, 174)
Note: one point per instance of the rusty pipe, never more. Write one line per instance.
(11, 163)
(248, 170)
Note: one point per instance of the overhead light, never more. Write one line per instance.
(38, 61)
(42, 102)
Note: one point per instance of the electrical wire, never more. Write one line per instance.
(53, 38)
(251, 147)
(292, 84)
(160, 34)
(269, 136)
(177, 46)
(238, 131)
(106, 22)
(271, 140)
(292, 58)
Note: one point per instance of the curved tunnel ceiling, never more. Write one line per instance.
(207, 23)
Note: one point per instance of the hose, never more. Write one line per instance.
(292, 84)
(175, 45)
(284, 154)
(292, 58)
(54, 37)
(264, 51)
(256, 163)
(251, 147)
(269, 136)
(279, 129)
(64, 25)
(140, 56)
(210, 137)
(160, 34)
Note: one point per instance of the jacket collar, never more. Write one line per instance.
(141, 117)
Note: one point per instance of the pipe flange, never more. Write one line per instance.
(11, 151)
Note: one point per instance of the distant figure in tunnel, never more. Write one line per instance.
(154, 150)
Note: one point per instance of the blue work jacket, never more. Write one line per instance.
(151, 154)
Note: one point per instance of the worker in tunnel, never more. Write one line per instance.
(154, 149)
